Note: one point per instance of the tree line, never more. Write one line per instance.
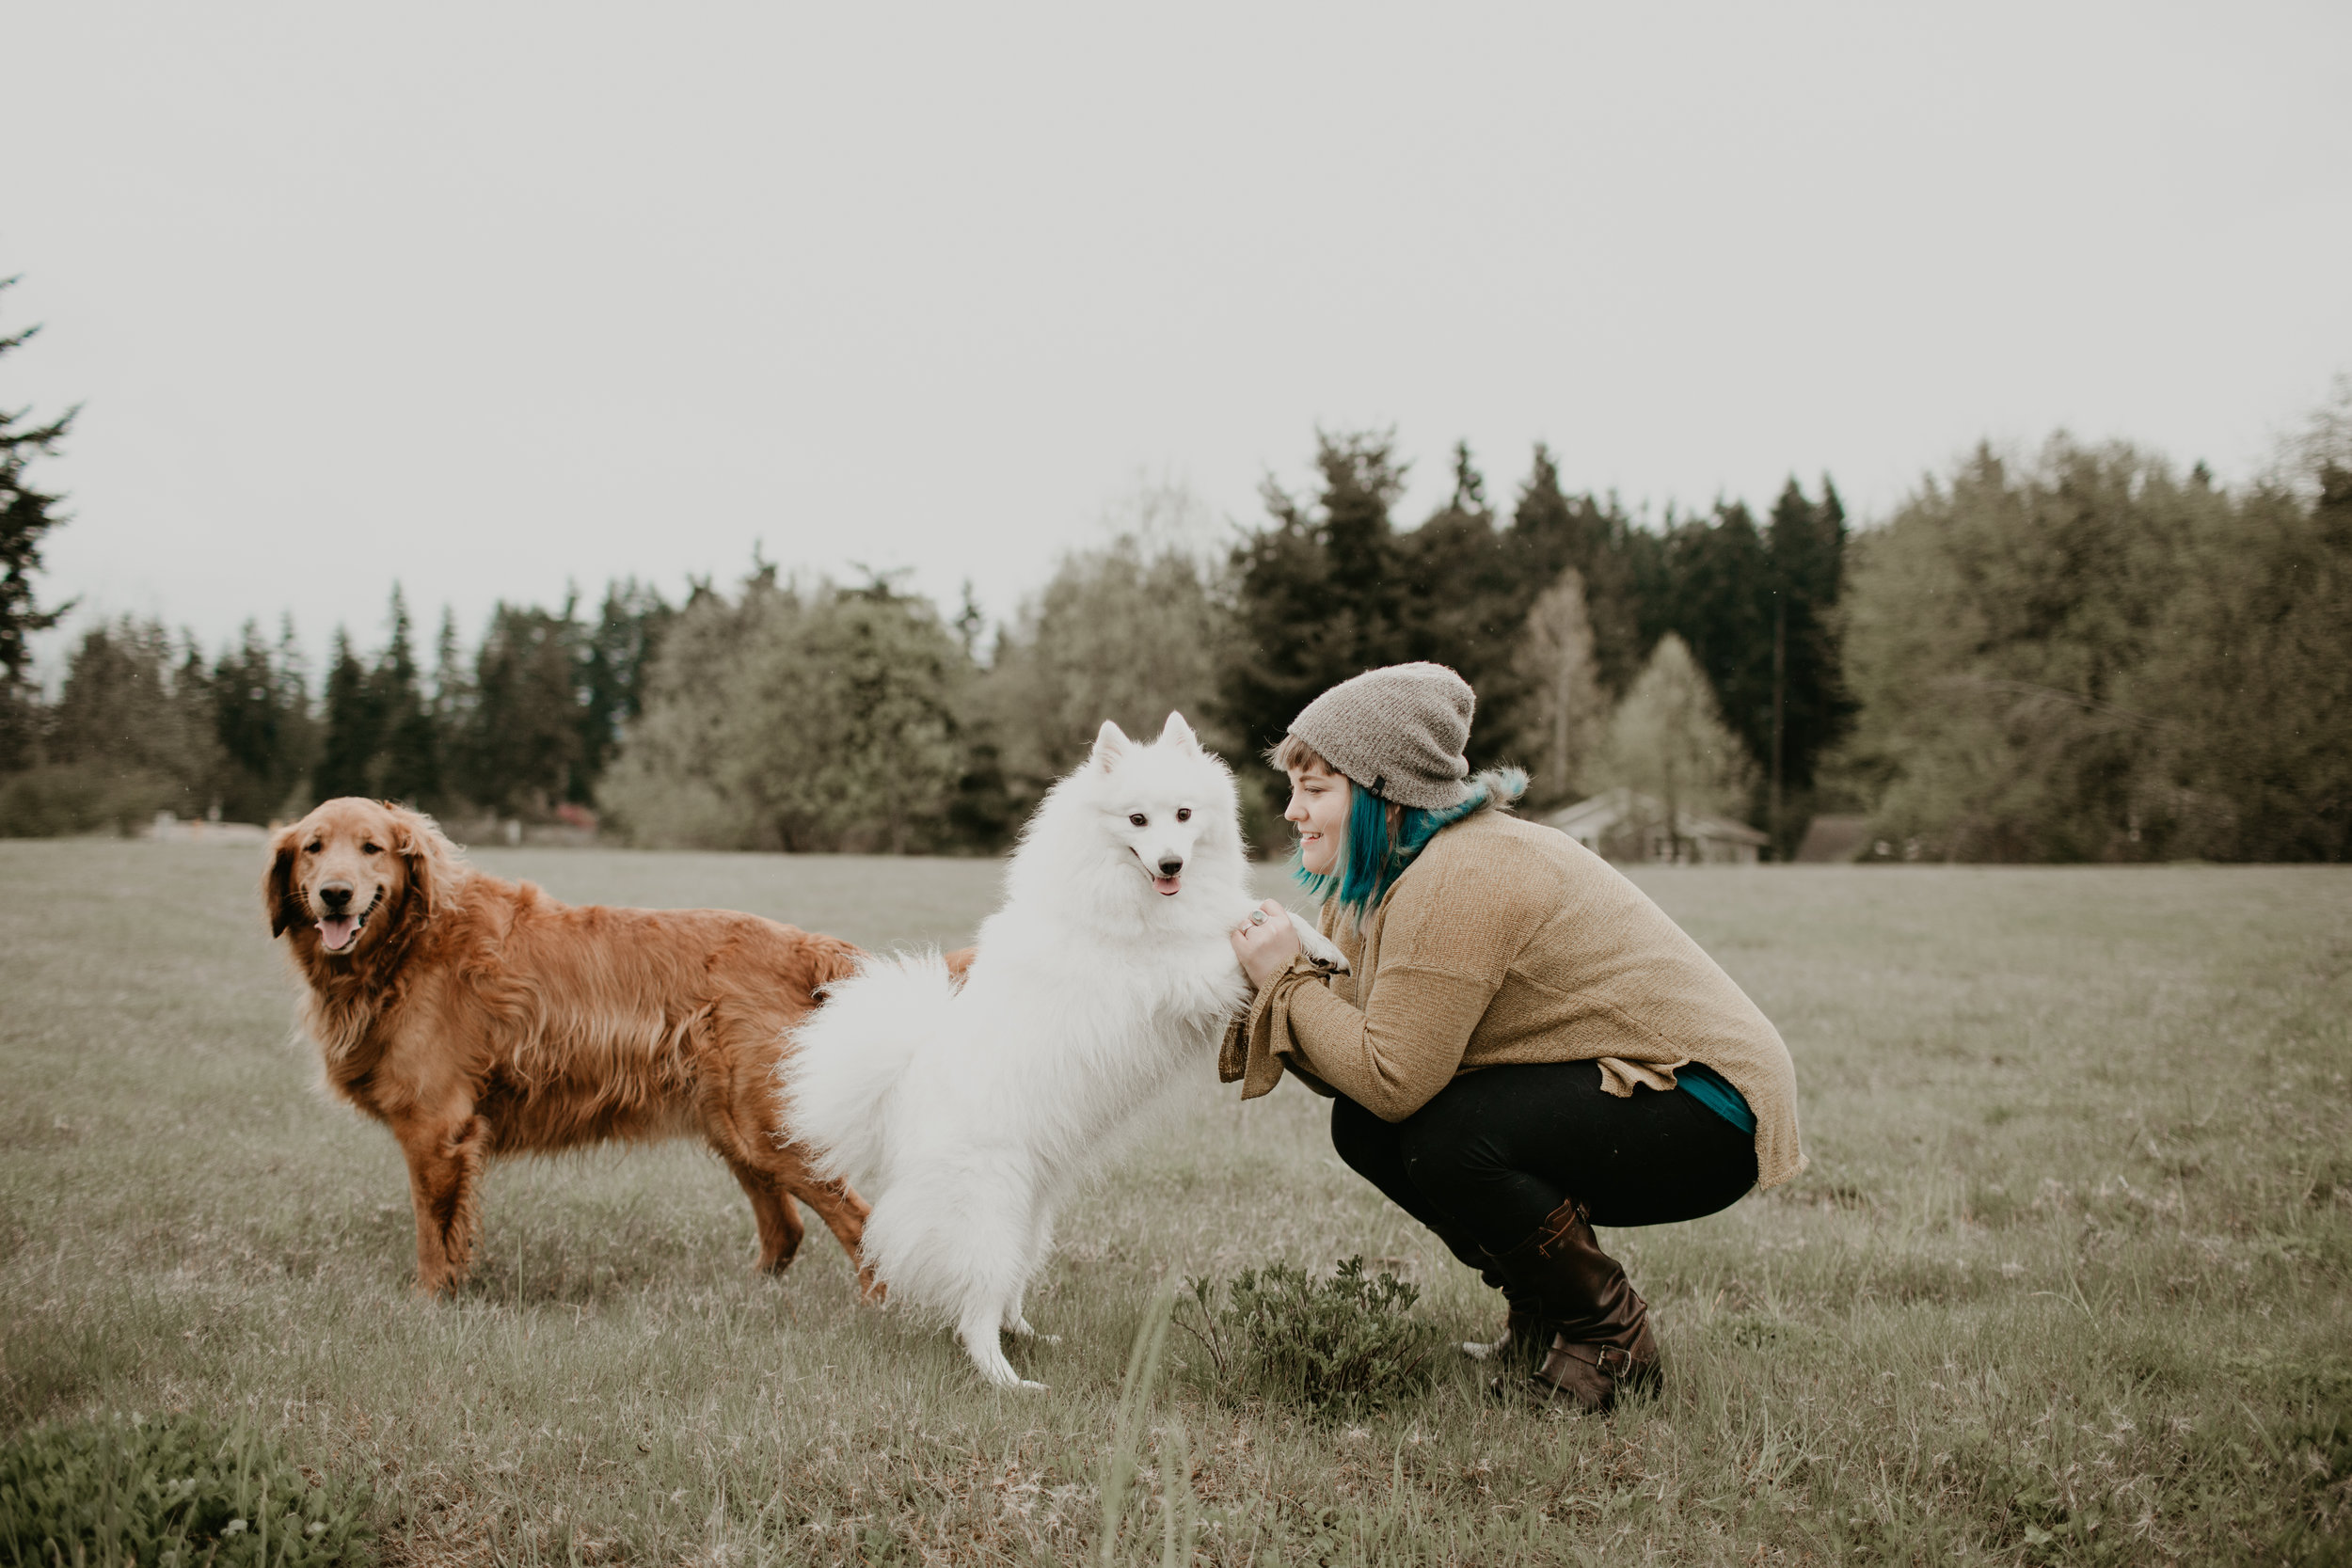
(520, 727)
(2077, 656)
(789, 715)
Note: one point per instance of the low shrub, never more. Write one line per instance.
(180, 1493)
(1341, 1347)
(55, 800)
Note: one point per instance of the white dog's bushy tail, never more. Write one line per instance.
(848, 1056)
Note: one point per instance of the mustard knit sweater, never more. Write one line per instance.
(1509, 941)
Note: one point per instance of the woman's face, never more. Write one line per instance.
(1319, 810)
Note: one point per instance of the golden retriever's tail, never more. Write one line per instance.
(850, 1054)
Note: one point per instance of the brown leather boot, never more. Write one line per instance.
(1600, 1340)
(1524, 1334)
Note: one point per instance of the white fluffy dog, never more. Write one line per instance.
(968, 1116)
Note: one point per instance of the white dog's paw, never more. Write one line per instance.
(1321, 951)
(1030, 1385)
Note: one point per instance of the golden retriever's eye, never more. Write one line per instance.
(1184, 814)
(313, 848)
(1138, 819)
(370, 849)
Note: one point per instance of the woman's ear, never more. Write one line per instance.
(277, 895)
(431, 859)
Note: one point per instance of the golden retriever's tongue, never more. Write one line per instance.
(337, 931)
(1165, 885)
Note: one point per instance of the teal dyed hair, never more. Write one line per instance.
(1383, 838)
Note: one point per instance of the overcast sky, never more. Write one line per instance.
(489, 299)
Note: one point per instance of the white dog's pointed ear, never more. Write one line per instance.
(1180, 731)
(1110, 744)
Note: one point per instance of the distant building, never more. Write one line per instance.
(1624, 825)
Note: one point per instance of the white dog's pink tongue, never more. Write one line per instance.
(338, 931)
(1165, 886)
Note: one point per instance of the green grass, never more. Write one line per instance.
(2067, 1281)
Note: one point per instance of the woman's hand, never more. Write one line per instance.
(1266, 943)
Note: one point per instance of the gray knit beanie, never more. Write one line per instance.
(1398, 730)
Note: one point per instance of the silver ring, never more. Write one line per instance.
(1257, 917)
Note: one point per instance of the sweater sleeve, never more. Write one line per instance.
(1392, 1057)
(1248, 1054)
(1450, 932)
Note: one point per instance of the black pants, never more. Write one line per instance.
(1499, 1150)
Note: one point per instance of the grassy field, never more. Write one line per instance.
(2067, 1280)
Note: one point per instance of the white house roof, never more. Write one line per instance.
(1590, 818)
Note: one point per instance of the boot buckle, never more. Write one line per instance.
(1613, 1361)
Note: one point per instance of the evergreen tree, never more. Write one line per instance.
(1720, 603)
(353, 726)
(1362, 482)
(1317, 595)
(298, 725)
(616, 657)
(409, 764)
(259, 726)
(27, 514)
(1551, 534)
(1465, 597)
(1332, 589)
(1805, 546)
(522, 749)
(451, 702)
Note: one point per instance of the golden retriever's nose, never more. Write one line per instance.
(335, 896)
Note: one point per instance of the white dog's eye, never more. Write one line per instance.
(370, 849)
(1138, 819)
(1184, 814)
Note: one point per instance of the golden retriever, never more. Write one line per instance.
(476, 1016)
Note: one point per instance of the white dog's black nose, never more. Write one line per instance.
(1170, 865)
(335, 894)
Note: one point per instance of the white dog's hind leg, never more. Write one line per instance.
(1017, 1321)
(980, 1332)
(1020, 1329)
(1041, 1244)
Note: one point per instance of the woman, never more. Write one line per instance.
(1526, 1046)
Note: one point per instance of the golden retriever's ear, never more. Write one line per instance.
(277, 893)
(432, 858)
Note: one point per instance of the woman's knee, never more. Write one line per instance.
(1453, 1159)
(1365, 1143)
